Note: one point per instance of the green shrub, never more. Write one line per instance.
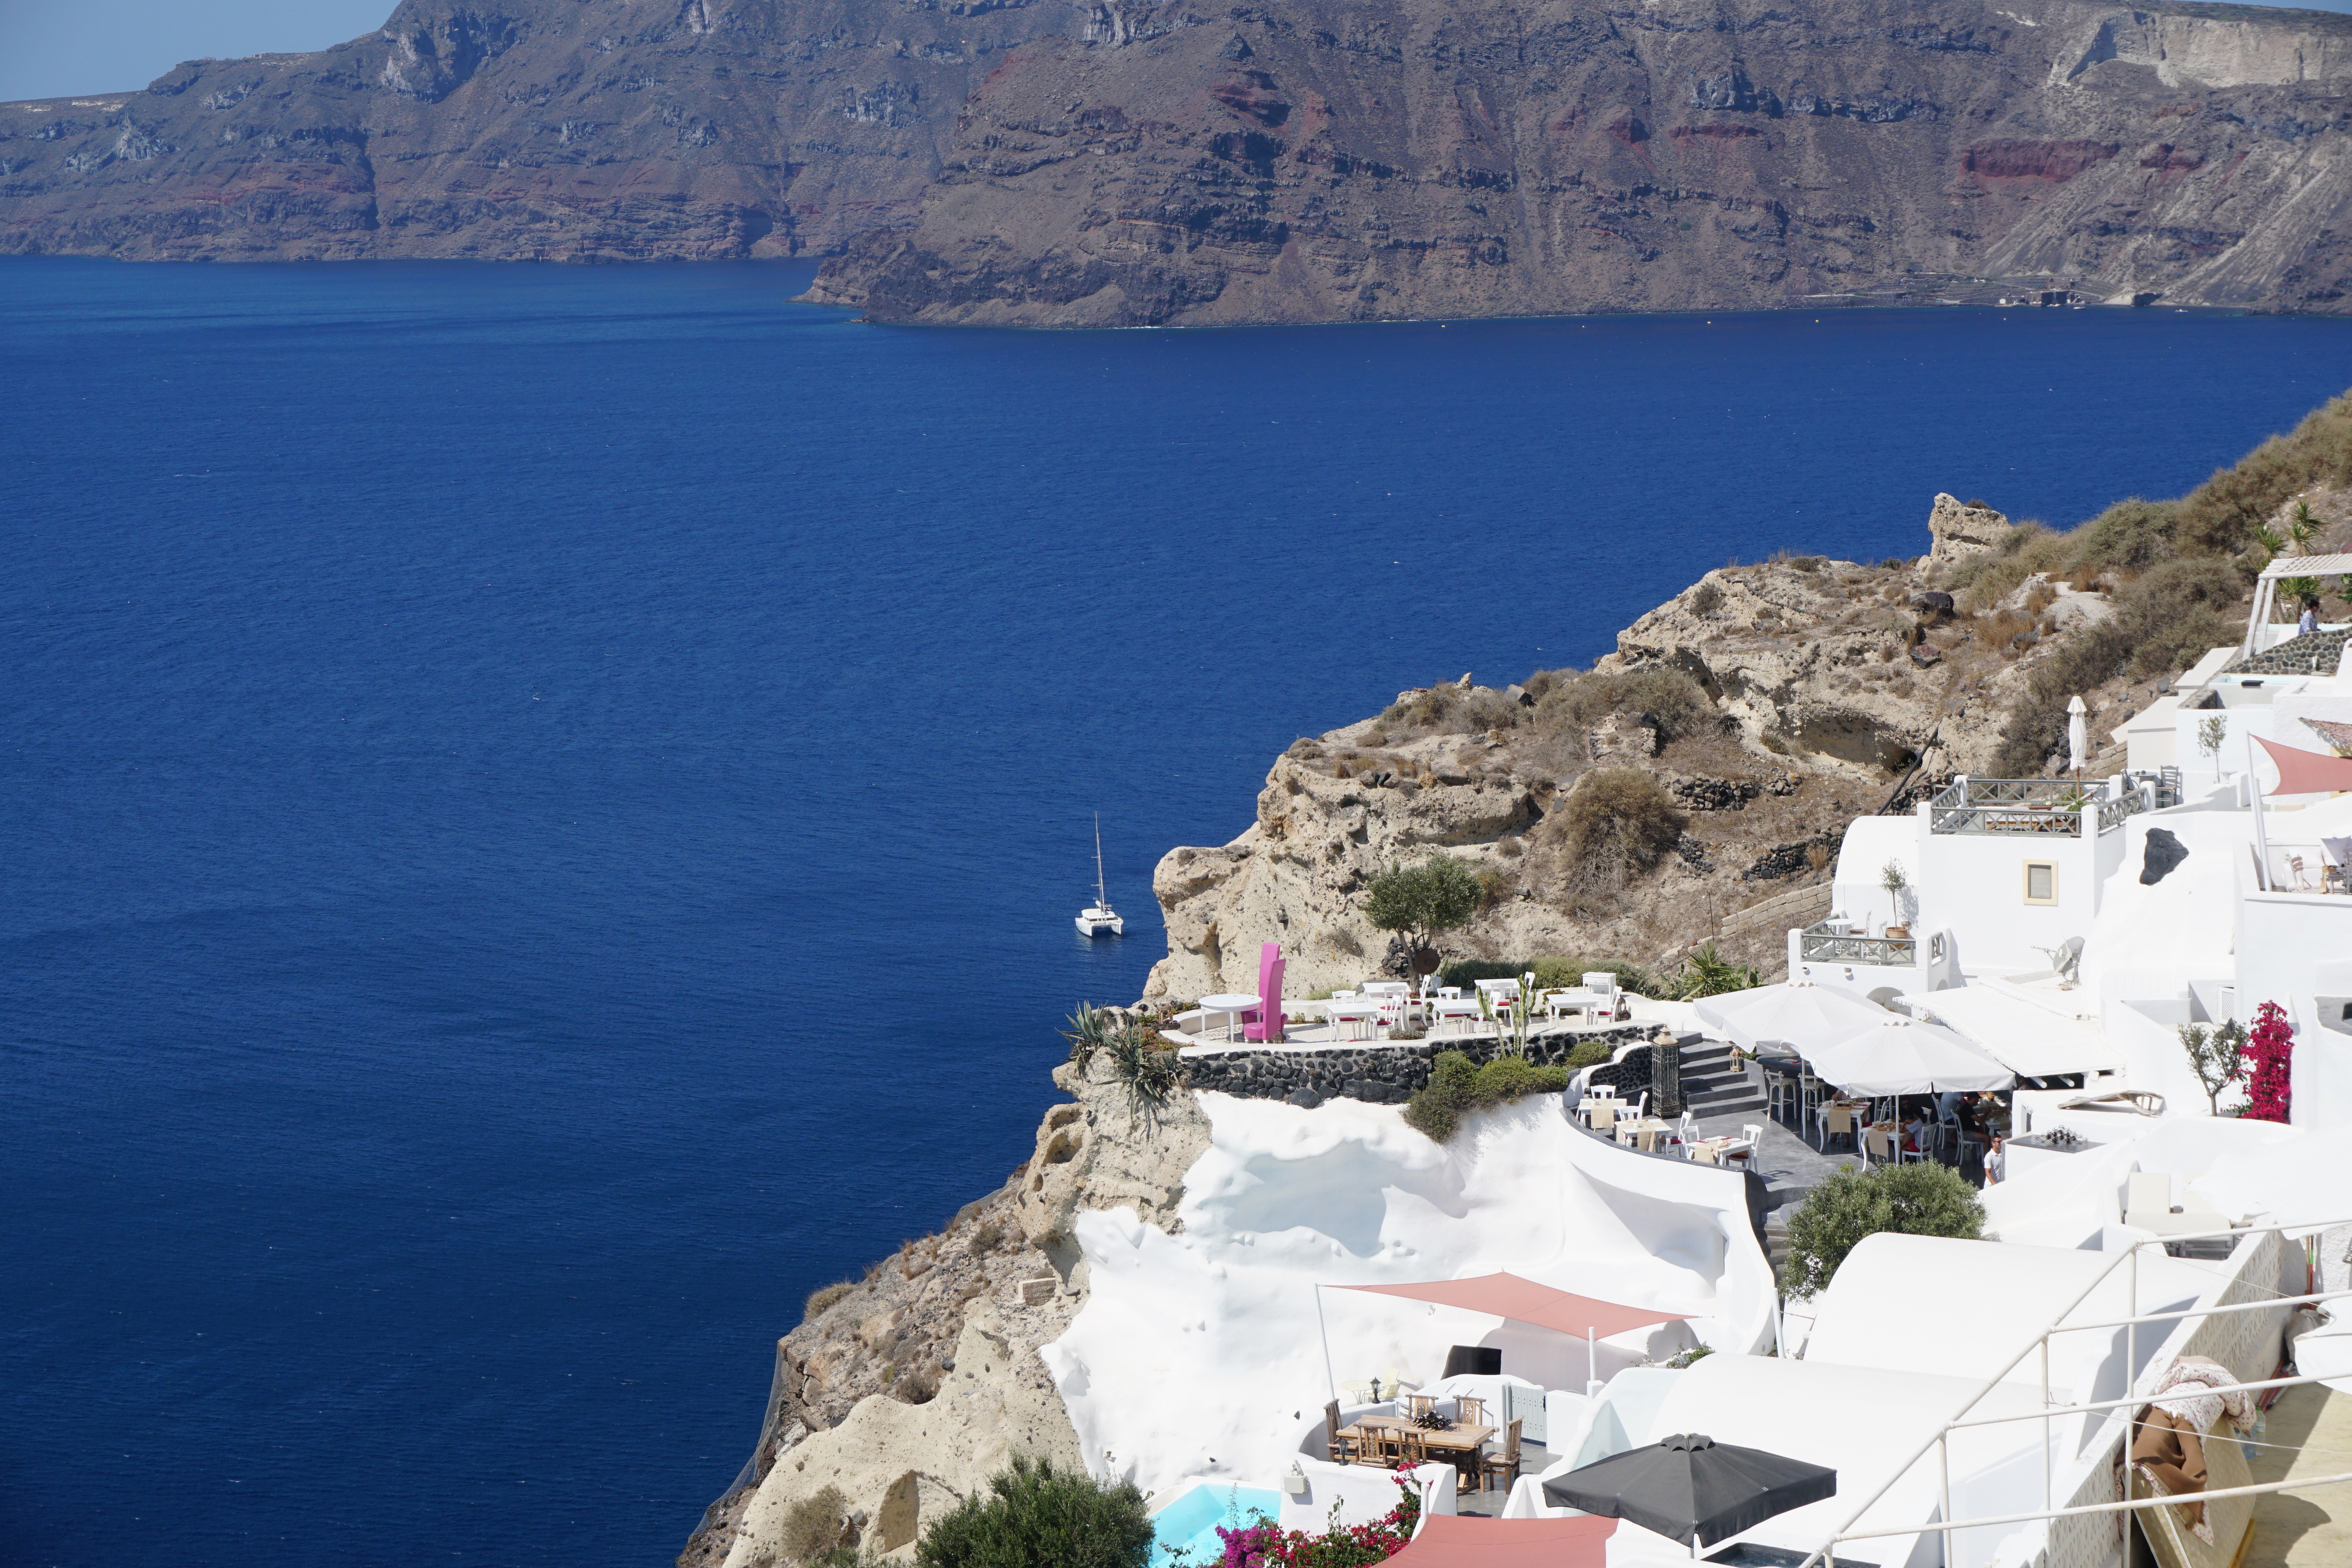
(1456, 1088)
(1554, 973)
(1921, 1199)
(1465, 972)
(1615, 824)
(1034, 1516)
(2130, 535)
(1591, 1053)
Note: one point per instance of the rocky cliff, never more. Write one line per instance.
(1107, 161)
(1804, 691)
(905, 1390)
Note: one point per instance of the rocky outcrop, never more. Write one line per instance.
(1837, 688)
(1044, 163)
(918, 1383)
(1962, 527)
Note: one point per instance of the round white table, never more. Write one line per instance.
(1231, 1006)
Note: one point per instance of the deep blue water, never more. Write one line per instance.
(544, 807)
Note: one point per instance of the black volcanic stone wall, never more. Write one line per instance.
(1384, 1073)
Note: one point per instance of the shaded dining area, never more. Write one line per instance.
(1849, 1075)
(1481, 1423)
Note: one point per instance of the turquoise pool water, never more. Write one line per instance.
(1190, 1523)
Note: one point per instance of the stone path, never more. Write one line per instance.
(2311, 1529)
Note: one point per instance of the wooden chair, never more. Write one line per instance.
(1469, 1411)
(1376, 1446)
(1417, 1406)
(1505, 1464)
(1339, 1449)
(1412, 1448)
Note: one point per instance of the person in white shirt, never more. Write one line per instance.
(1996, 1163)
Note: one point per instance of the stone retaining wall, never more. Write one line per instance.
(1382, 1072)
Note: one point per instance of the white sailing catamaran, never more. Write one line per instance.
(1099, 917)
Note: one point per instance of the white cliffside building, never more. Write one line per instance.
(2185, 891)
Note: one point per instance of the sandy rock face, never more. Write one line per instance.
(1961, 529)
(1298, 876)
(1823, 672)
(955, 1309)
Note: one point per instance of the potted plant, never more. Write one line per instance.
(1898, 892)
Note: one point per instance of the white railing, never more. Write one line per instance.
(1946, 1525)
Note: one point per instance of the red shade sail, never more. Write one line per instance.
(1523, 1301)
(1464, 1541)
(2307, 772)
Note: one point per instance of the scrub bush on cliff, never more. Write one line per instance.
(1034, 1516)
(1616, 824)
(1923, 1199)
(1456, 1088)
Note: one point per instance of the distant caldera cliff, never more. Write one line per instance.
(1044, 162)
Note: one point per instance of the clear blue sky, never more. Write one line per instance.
(49, 48)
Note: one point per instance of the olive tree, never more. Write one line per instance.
(1922, 1199)
(1419, 902)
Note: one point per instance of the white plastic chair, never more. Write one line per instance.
(1743, 1146)
(1602, 985)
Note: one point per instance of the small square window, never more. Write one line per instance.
(2041, 882)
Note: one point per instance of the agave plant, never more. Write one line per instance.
(1707, 973)
(1091, 1029)
(1511, 1034)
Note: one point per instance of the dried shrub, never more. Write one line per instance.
(919, 1386)
(824, 1296)
(2222, 514)
(814, 1527)
(1493, 886)
(984, 1238)
(1678, 702)
(1614, 825)
(2163, 619)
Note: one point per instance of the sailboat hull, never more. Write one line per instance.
(1090, 925)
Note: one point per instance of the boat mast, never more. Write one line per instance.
(1101, 897)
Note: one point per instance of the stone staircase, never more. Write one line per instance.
(1713, 1086)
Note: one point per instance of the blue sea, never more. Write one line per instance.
(544, 807)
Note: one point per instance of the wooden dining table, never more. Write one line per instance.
(1461, 1445)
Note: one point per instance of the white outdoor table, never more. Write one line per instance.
(1353, 1012)
(1232, 1004)
(1447, 1011)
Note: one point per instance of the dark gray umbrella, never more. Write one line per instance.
(1692, 1488)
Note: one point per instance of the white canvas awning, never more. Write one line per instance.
(1900, 1056)
(1789, 1014)
(2031, 1041)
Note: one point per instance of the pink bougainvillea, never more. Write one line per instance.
(1268, 1546)
(2270, 1048)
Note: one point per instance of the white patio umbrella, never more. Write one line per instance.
(1787, 1014)
(1897, 1055)
(2078, 738)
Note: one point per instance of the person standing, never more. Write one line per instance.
(2309, 622)
(1996, 1162)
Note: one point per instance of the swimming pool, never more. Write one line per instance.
(1190, 1523)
